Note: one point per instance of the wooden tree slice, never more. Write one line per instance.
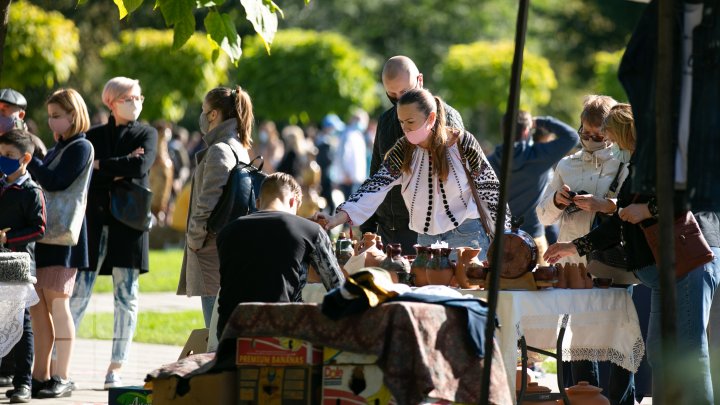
(519, 255)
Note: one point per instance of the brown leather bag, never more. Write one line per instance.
(691, 248)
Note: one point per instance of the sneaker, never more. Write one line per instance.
(21, 395)
(56, 388)
(112, 380)
(6, 381)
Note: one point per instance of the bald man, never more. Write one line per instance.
(391, 219)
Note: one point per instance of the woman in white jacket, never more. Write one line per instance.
(580, 185)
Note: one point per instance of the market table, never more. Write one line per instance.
(14, 298)
(602, 324)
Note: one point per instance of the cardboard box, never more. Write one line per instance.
(337, 356)
(276, 351)
(197, 343)
(354, 384)
(131, 395)
(216, 389)
(293, 385)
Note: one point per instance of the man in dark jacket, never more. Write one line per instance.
(392, 218)
(532, 164)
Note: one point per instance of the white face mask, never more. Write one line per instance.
(593, 146)
(129, 111)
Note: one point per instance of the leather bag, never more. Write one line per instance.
(130, 204)
(615, 256)
(691, 248)
(238, 195)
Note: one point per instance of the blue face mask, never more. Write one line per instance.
(7, 124)
(9, 166)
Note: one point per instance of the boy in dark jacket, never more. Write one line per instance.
(22, 222)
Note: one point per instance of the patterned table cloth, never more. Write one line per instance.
(14, 298)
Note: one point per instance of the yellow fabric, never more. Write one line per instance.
(182, 206)
(372, 282)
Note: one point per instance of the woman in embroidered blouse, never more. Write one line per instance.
(428, 165)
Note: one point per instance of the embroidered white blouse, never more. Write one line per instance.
(435, 206)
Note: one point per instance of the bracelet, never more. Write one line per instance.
(652, 207)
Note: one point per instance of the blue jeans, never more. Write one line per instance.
(470, 233)
(208, 303)
(694, 298)
(125, 292)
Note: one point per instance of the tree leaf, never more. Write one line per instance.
(221, 29)
(81, 2)
(175, 10)
(121, 8)
(182, 31)
(132, 5)
(209, 3)
(262, 18)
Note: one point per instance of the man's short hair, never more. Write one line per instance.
(20, 139)
(596, 108)
(399, 65)
(278, 185)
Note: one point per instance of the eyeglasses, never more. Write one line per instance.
(130, 99)
(596, 137)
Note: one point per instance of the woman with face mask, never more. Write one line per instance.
(65, 171)
(124, 151)
(226, 123)
(428, 165)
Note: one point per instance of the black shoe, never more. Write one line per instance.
(37, 385)
(20, 395)
(56, 388)
(6, 380)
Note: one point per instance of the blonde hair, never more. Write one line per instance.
(428, 103)
(116, 88)
(596, 108)
(234, 103)
(72, 102)
(294, 138)
(621, 124)
(278, 185)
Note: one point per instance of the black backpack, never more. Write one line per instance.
(238, 195)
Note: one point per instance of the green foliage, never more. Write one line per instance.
(41, 48)
(308, 75)
(162, 277)
(476, 77)
(165, 328)
(606, 74)
(170, 78)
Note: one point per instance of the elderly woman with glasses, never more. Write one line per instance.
(124, 152)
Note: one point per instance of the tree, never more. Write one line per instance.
(475, 78)
(308, 75)
(169, 79)
(606, 74)
(43, 48)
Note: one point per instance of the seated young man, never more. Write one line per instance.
(264, 256)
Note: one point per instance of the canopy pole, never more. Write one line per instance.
(510, 121)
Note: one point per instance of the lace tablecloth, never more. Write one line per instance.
(14, 298)
(603, 324)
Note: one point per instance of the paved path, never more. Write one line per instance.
(156, 302)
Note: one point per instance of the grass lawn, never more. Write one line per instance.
(163, 276)
(168, 328)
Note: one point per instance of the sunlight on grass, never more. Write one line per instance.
(163, 276)
(168, 328)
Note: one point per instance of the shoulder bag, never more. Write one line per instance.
(484, 217)
(238, 195)
(130, 204)
(65, 209)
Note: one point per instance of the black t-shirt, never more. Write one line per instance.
(264, 258)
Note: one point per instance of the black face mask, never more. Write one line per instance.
(392, 99)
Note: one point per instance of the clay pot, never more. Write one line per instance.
(585, 394)
(534, 388)
(468, 265)
(440, 271)
(575, 279)
(562, 277)
(343, 249)
(518, 378)
(420, 264)
(588, 278)
(396, 264)
(379, 244)
(368, 241)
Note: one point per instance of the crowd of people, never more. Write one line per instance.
(414, 176)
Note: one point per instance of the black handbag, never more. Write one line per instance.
(238, 195)
(614, 256)
(130, 204)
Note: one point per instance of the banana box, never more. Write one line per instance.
(276, 351)
(291, 385)
(354, 384)
(337, 356)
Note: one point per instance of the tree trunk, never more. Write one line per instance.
(4, 16)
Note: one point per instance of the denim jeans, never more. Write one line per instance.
(207, 302)
(470, 233)
(694, 298)
(125, 292)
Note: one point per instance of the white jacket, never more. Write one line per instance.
(582, 171)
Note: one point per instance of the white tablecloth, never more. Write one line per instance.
(14, 298)
(603, 323)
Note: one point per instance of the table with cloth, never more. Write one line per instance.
(14, 298)
(603, 324)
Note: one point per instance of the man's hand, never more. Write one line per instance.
(330, 221)
(635, 213)
(591, 203)
(562, 197)
(559, 250)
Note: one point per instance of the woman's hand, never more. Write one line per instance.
(591, 203)
(96, 164)
(330, 221)
(635, 213)
(3, 235)
(559, 250)
(562, 197)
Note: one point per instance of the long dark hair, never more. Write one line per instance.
(234, 103)
(428, 103)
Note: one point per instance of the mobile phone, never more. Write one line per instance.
(572, 208)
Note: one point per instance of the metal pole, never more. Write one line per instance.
(668, 392)
(509, 127)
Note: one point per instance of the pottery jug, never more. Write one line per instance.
(379, 244)
(420, 265)
(343, 249)
(518, 378)
(440, 271)
(396, 264)
(575, 279)
(586, 276)
(585, 394)
(468, 266)
(368, 241)
(535, 388)
(561, 276)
